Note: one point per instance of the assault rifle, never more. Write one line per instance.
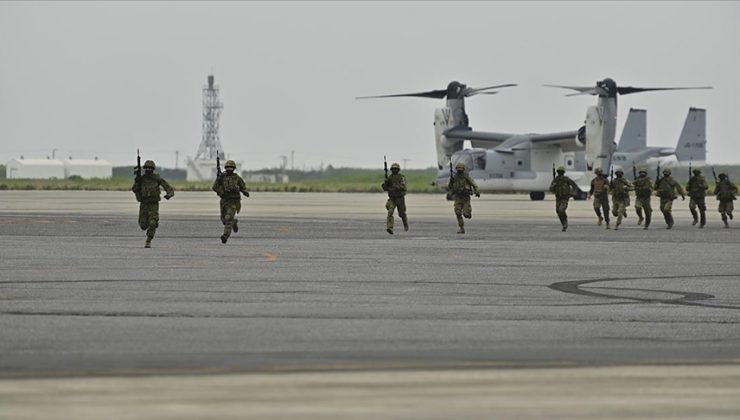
(137, 169)
(218, 165)
(385, 169)
(553, 171)
(689, 170)
(657, 175)
(634, 171)
(714, 174)
(452, 174)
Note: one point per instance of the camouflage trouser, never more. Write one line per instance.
(391, 205)
(643, 203)
(561, 205)
(149, 218)
(463, 208)
(620, 208)
(666, 205)
(701, 204)
(229, 210)
(601, 201)
(725, 208)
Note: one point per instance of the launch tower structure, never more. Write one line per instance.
(210, 144)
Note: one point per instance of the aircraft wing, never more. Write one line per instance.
(465, 133)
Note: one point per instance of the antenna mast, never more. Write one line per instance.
(210, 145)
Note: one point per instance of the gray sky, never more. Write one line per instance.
(105, 78)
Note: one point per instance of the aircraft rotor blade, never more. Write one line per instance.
(583, 90)
(436, 94)
(626, 90)
(472, 91)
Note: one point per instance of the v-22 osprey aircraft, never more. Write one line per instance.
(524, 162)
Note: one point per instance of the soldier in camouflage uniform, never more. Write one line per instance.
(667, 188)
(564, 188)
(725, 191)
(396, 187)
(643, 191)
(620, 189)
(461, 186)
(697, 190)
(600, 192)
(229, 185)
(147, 190)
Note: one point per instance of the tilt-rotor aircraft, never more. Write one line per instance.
(509, 162)
(634, 151)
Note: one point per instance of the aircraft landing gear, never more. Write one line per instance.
(537, 195)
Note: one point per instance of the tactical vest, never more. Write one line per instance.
(665, 189)
(150, 188)
(396, 185)
(599, 183)
(461, 185)
(697, 187)
(231, 184)
(725, 191)
(643, 187)
(562, 188)
(620, 188)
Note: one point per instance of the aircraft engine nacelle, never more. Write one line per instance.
(443, 121)
(598, 145)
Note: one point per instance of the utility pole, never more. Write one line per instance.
(54, 153)
(292, 161)
(177, 157)
(404, 163)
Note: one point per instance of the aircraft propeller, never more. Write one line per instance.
(608, 87)
(455, 90)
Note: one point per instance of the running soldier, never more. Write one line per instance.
(667, 188)
(620, 189)
(643, 191)
(697, 191)
(395, 184)
(147, 188)
(725, 191)
(461, 186)
(229, 185)
(600, 192)
(564, 188)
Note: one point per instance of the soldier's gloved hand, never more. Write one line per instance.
(683, 198)
(477, 195)
(246, 193)
(588, 197)
(167, 196)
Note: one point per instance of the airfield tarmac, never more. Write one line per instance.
(313, 310)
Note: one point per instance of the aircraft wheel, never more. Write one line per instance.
(537, 195)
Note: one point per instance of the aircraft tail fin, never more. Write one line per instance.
(693, 140)
(634, 133)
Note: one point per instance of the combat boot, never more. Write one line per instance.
(461, 230)
(601, 219)
(148, 243)
(694, 222)
(729, 214)
(607, 226)
(727, 225)
(405, 221)
(235, 226)
(224, 238)
(639, 221)
(389, 230)
(639, 217)
(616, 227)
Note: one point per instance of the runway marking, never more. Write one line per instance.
(14, 220)
(269, 257)
(685, 299)
(283, 229)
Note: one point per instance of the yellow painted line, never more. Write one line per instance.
(269, 257)
(282, 229)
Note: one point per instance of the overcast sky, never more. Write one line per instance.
(105, 78)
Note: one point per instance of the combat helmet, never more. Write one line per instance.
(642, 170)
(598, 171)
(396, 166)
(666, 171)
(149, 164)
(561, 168)
(619, 171)
(722, 175)
(459, 166)
(230, 164)
(696, 171)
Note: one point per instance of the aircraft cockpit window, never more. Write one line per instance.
(479, 161)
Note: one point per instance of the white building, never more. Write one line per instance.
(59, 169)
(34, 169)
(205, 170)
(88, 168)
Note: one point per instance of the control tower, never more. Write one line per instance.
(203, 166)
